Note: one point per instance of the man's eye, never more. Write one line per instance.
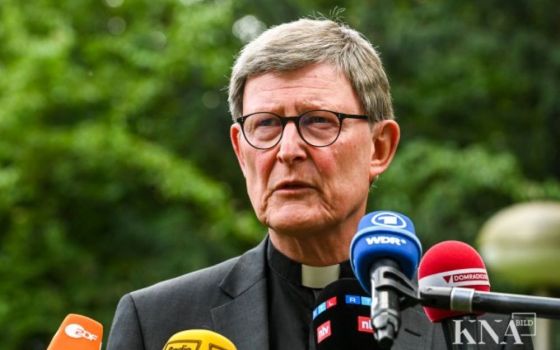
(272, 121)
(316, 119)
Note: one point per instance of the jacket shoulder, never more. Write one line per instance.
(196, 284)
(147, 317)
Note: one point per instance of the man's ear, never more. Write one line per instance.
(235, 135)
(385, 138)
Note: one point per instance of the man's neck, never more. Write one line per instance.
(314, 250)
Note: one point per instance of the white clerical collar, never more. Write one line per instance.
(319, 277)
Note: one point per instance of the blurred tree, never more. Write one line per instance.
(484, 72)
(96, 196)
(450, 192)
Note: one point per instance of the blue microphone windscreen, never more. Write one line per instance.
(384, 235)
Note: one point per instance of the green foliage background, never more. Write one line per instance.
(115, 164)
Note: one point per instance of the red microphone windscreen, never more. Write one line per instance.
(451, 264)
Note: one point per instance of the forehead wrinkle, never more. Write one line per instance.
(297, 79)
(295, 86)
(300, 104)
(296, 91)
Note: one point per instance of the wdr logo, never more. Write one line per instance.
(373, 240)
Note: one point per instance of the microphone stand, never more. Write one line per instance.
(386, 306)
(470, 300)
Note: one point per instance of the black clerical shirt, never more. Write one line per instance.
(290, 303)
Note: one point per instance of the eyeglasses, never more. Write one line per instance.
(318, 128)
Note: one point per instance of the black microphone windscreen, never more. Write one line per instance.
(341, 318)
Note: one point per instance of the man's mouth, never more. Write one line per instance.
(292, 185)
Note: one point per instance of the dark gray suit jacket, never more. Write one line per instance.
(231, 299)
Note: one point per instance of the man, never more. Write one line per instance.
(313, 129)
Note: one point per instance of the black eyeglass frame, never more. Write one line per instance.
(284, 120)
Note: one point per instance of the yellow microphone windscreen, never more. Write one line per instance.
(198, 339)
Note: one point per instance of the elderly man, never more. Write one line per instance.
(313, 129)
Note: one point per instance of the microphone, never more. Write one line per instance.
(341, 318)
(453, 264)
(384, 255)
(199, 339)
(77, 332)
(450, 266)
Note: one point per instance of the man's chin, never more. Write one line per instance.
(296, 223)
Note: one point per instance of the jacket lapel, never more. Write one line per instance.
(244, 319)
(416, 330)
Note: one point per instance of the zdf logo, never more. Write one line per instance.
(76, 331)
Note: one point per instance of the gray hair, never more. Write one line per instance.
(296, 44)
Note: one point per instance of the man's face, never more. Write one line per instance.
(298, 189)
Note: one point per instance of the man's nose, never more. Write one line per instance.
(292, 147)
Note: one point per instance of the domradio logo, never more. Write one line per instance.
(456, 278)
(466, 277)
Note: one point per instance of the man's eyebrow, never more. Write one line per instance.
(301, 107)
